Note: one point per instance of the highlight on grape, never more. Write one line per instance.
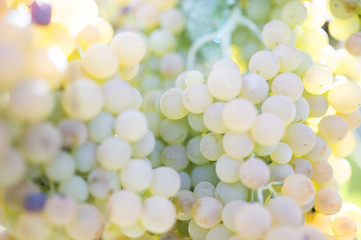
(180, 119)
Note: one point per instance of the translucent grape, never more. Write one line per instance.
(327, 201)
(227, 192)
(302, 110)
(300, 138)
(183, 202)
(193, 151)
(32, 226)
(175, 156)
(204, 189)
(171, 104)
(219, 232)
(12, 168)
(61, 169)
(281, 106)
(136, 175)
(73, 133)
(275, 32)
(317, 80)
(268, 129)
(344, 96)
(264, 63)
(238, 145)
(101, 127)
(282, 153)
(224, 83)
(288, 55)
(131, 125)
(173, 20)
(280, 171)
(207, 212)
(299, 187)
(174, 131)
(60, 210)
(320, 151)
(196, 98)
(333, 128)
(302, 166)
(254, 87)
(294, 13)
(166, 182)
(353, 44)
(76, 187)
(229, 212)
(254, 173)
(227, 169)
(211, 146)
(289, 85)
(212, 118)
(285, 211)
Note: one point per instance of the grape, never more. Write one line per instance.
(193, 151)
(308, 232)
(315, 17)
(280, 171)
(12, 64)
(353, 119)
(227, 192)
(101, 127)
(113, 153)
(129, 46)
(165, 4)
(144, 146)
(207, 212)
(134, 231)
(174, 156)
(268, 129)
(33, 227)
(264, 150)
(342, 9)
(327, 201)
(254, 173)
(159, 214)
(171, 65)
(288, 55)
(87, 223)
(166, 182)
(148, 16)
(204, 173)
(101, 183)
(204, 189)
(305, 64)
(219, 232)
(322, 172)
(61, 169)
(85, 157)
(299, 187)
(342, 102)
(302, 110)
(60, 210)
(229, 211)
(196, 98)
(73, 132)
(31, 100)
(252, 221)
(193, 76)
(301, 166)
(131, 125)
(171, 104)
(318, 104)
(317, 80)
(312, 41)
(281, 106)
(238, 145)
(211, 146)
(224, 83)
(12, 168)
(161, 42)
(41, 143)
(196, 232)
(254, 87)
(300, 138)
(341, 169)
(353, 44)
(227, 169)
(35, 202)
(212, 118)
(264, 63)
(320, 151)
(185, 181)
(285, 211)
(76, 187)
(275, 32)
(82, 99)
(196, 122)
(344, 227)
(118, 96)
(239, 115)
(136, 175)
(294, 13)
(258, 9)
(341, 29)
(174, 131)
(154, 120)
(183, 202)
(333, 128)
(173, 20)
(124, 208)
(319, 220)
(88, 36)
(283, 233)
(289, 85)
(282, 154)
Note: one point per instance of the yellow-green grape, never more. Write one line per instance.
(193, 76)
(100, 61)
(289, 85)
(317, 80)
(171, 65)
(193, 151)
(73, 133)
(319, 221)
(305, 64)
(299, 187)
(285, 211)
(300, 138)
(135, 231)
(322, 172)
(175, 156)
(333, 128)
(353, 119)
(254, 173)
(136, 175)
(342, 170)
(327, 201)
(344, 228)
(239, 115)
(280, 106)
(301, 166)
(318, 104)
(353, 44)
(302, 110)
(174, 131)
(219, 232)
(229, 211)
(268, 129)
(252, 221)
(204, 189)
(280, 171)
(212, 118)
(211, 146)
(227, 169)
(238, 145)
(264, 63)
(196, 98)
(310, 232)
(315, 17)
(131, 125)
(254, 88)
(165, 182)
(294, 13)
(32, 226)
(130, 48)
(227, 192)
(173, 20)
(283, 233)
(128, 73)
(346, 146)
(11, 65)
(342, 29)
(148, 16)
(104, 27)
(12, 168)
(312, 41)
(288, 55)
(342, 9)
(183, 202)
(197, 232)
(282, 154)
(275, 32)
(144, 146)
(82, 99)
(321, 151)
(73, 71)
(207, 212)
(87, 36)
(171, 104)
(161, 42)
(165, 4)
(31, 100)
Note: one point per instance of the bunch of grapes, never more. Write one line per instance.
(179, 120)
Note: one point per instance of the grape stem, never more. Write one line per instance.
(223, 36)
(269, 188)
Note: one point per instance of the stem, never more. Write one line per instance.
(260, 195)
(80, 50)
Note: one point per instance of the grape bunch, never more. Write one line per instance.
(181, 120)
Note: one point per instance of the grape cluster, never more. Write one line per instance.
(105, 135)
